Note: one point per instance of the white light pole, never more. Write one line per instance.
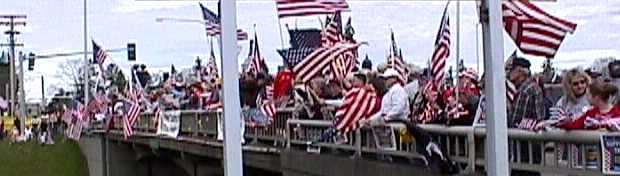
(86, 63)
(495, 90)
(233, 164)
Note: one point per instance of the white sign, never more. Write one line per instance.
(169, 124)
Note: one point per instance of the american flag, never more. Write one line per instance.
(158, 114)
(269, 109)
(320, 59)
(269, 92)
(340, 67)
(213, 69)
(331, 35)
(266, 104)
(305, 38)
(442, 49)
(457, 111)
(212, 21)
(359, 103)
(534, 31)
(130, 118)
(213, 101)
(396, 61)
(99, 54)
(429, 111)
(76, 123)
(343, 64)
(257, 64)
(292, 8)
(99, 103)
(294, 56)
(511, 92)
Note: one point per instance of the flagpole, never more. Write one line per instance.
(458, 49)
(280, 29)
(86, 61)
(477, 48)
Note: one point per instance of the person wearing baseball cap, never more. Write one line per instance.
(394, 103)
(529, 105)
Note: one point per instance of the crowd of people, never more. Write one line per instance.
(588, 102)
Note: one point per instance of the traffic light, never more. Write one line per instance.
(131, 51)
(31, 61)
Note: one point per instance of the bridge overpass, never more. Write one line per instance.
(282, 149)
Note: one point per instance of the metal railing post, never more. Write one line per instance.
(358, 143)
(471, 153)
(288, 135)
(197, 118)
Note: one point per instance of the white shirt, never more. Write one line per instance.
(395, 103)
(412, 89)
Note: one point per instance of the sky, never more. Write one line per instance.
(57, 27)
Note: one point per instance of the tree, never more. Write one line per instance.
(71, 72)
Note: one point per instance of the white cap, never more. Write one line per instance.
(390, 72)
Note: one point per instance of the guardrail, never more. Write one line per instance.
(529, 151)
(557, 152)
(208, 125)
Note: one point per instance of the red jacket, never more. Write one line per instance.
(609, 119)
(283, 83)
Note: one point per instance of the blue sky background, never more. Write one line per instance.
(56, 27)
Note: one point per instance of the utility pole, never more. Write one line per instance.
(42, 91)
(11, 33)
(22, 92)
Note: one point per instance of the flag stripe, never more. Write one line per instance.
(318, 60)
(442, 50)
(534, 31)
(292, 8)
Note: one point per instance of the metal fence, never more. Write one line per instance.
(557, 152)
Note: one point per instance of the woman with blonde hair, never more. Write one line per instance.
(574, 102)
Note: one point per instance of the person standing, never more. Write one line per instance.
(529, 106)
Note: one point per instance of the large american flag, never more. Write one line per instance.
(212, 21)
(292, 8)
(320, 59)
(359, 103)
(305, 38)
(534, 31)
(442, 49)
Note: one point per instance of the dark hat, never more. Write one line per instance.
(521, 62)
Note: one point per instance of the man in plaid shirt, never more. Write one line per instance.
(529, 104)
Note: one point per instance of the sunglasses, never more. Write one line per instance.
(576, 83)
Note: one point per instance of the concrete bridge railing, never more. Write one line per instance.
(557, 152)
